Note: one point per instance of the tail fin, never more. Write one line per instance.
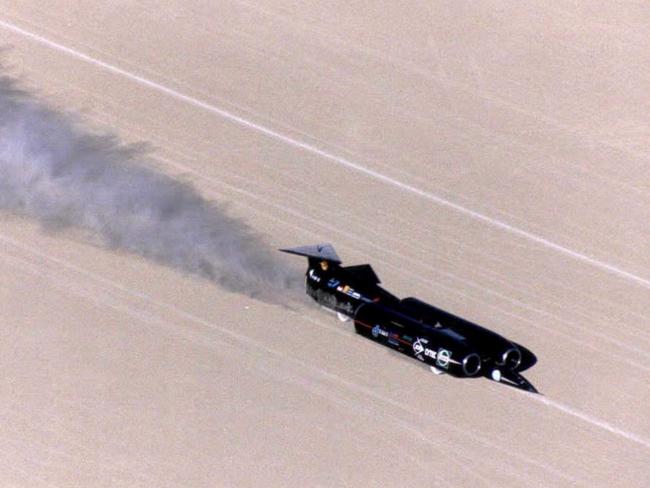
(365, 273)
(324, 252)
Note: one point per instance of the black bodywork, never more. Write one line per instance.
(443, 341)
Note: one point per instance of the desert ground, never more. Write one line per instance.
(492, 158)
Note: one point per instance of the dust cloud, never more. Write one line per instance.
(65, 176)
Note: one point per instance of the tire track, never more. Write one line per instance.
(310, 148)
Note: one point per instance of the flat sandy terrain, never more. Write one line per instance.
(490, 157)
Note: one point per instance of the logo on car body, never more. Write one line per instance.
(443, 358)
(333, 283)
(378, 331)
(418, 348)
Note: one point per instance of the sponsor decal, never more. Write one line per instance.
(333, 283)
(421, 350)
(418, 347)
(443, 358)
(378, 331)
(345, 289)
(314, 276)
(429, 353)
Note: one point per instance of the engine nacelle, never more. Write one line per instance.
(437, 347)
(510, 359)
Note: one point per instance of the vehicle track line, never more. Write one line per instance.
(314, 370)
(631, 436)
(610, 268)
(350, 385)
(367, 171)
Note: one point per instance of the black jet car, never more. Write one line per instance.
(443, 341)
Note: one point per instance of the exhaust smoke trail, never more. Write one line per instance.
(54, 171)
